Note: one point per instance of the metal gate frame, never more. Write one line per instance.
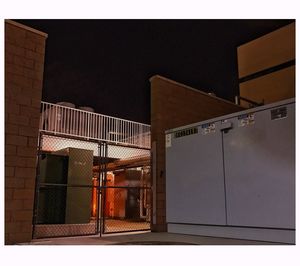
(103, 173)
(39, 185)
(101, 186)
(104, 221)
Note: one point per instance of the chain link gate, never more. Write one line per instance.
(86, 187)
(126, 191)
(67, 193)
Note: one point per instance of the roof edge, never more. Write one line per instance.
(191, 88)
(9, 21)
(292, 24)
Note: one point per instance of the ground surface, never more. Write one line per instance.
(145, 238)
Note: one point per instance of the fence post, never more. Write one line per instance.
(99, 208)
(88, 125)
(37, 186)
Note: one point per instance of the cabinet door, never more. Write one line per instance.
(194, 177)
(78, 199)
(259, 159)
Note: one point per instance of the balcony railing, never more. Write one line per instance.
(68, 121)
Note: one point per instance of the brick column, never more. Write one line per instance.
(172, 105)
(24, 66)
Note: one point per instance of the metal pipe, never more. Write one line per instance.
(236, 100)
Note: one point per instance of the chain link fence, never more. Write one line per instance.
(85, 187)
(64, 188)
(126, 190)
(126, 209)
(61, 213)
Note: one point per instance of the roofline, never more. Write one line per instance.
(234, 114)
(26, 28)
(268, 34)
(191, 88)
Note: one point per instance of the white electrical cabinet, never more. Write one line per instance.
(234, 176)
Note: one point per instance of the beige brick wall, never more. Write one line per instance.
(267, 52)
(173, 105)
(24, 66)
(270, 88)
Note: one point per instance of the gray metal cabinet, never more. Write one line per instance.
(195, 183)
(260, 169)
(243, 176)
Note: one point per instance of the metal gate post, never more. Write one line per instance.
(98, 194)
(103, 182)
(102, 149)
(37, 186)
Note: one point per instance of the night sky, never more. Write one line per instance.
(106, 64)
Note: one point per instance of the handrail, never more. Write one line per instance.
(70, 121)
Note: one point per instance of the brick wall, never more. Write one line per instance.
(24, 65)
(173, 105)
(267, 67)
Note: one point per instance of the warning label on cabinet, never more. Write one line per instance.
(245, 120)
(208, 128)
(168, 141)
(186, 132)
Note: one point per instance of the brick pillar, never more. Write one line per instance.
(24, 66)
(172, 105)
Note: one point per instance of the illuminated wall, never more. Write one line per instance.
(24, 66)
(267, 67)
(172, 105)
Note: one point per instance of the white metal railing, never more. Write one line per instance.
(79, 123)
